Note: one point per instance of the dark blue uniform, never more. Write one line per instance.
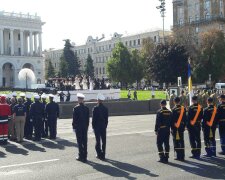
(44, 132)
(221, 121)
(80, 125)
(209, 132)
(52, 113)
(37, 115)
(195, 130)
(178, 142)
(28, 130)
(162, 128)
(99, 124)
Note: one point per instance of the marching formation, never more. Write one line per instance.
(206, 113)
(22, 118)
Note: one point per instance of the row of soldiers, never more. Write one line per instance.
(21, 117)
(194, 119)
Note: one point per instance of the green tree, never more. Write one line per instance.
(168, 62)
(119, 66)
(89, 67)
(212, 55)
(50, 70)
(71, 59)
(63, 68)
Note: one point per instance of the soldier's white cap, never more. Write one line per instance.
(9, 95)
(22, 95)
(80, 95)
(43, 96)
(29, 96)
(36, 96)
(3, 95)
(51, 95)
(100, 97)
(14, 94)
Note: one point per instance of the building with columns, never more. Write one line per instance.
(101, 49)
(20, 47)
(192, 17)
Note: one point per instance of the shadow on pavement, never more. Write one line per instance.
(130, 168)
(16, 150)
(111, 171)
(33, 147)
(204, 170)
(52, 145)
(2, 155)
(66, 143)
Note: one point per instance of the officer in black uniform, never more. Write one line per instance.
(52, 113)
(178, 127)
(162, 130)
(194, 127)
(209, 129)
(99, 124)
(28, 131)
(44, 131)
(37, 114)
(80, 126)
(221, 121)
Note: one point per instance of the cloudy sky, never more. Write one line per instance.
(77, 19)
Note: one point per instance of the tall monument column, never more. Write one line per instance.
(35, 44)
(12, 41)
(31, 43)
(21, 43)
(40, 43)
(2, 41)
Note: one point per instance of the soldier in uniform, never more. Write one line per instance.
(28, 131)
(162, 130)
(172, 97)
(209, 124)
(195, 114)
(205, 97)
(22, 95)
(52, 113)
(215, 98)
(183, 99)
(199, 96)
(80, 126)
(44, 131)
(14, 95)
(221, 121)
(99, 125)
(37, 114)
(178, 127)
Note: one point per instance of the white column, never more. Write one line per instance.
(2, 41)
(31, 43)
(35, 43)
(40, 44)
(21, 43)
(12, 41)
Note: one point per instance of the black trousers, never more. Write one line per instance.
(28, 129)
(44, 131)
(195, 140)
(163, 138)
(100, 136)
(222, 136)
(81, 135)
(52, 124)
(178, 143)
(210, 142)
(37, 127)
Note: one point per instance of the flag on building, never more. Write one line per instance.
(190, 90)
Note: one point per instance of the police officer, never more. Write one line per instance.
(162, 130)
(172, 97)
(14, 95)
(99, 124)
(37, 114)
(80, 126)
(28, 131)
(52, 113)
(205, 97)
(195, 114)
(22, 95)
(209, 124)
(178, 127)
(44, 132)
(221, 121)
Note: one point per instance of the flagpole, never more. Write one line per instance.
(190, 81)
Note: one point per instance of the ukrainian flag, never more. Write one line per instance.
(190, 90)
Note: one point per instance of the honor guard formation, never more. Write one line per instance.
(22, 118)
(207, 113)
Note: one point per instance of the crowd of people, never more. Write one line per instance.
(21, 118)
(206, 113)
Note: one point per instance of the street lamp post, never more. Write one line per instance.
(162, 12)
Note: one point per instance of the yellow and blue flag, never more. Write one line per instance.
(190, 90)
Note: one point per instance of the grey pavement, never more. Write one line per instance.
(131, 154)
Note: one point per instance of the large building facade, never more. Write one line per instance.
(100, 49)
(20, 47)
(193, 17)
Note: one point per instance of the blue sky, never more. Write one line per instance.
(77, 19)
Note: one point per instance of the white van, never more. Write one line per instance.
(220, 86)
